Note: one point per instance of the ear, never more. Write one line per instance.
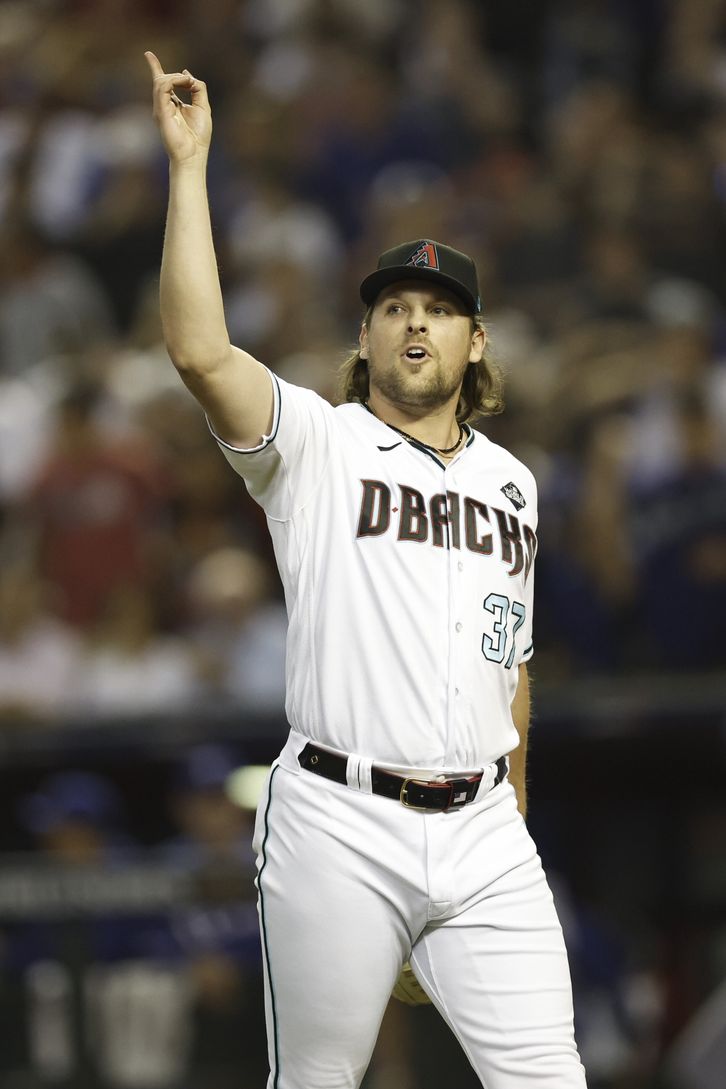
(478, 344)
(363, 341)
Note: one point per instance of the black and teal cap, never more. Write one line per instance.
(425, 260)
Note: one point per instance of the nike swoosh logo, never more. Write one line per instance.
(384, 448)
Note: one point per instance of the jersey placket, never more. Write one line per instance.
(443, 619)
(455, 620)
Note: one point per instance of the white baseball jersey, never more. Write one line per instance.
(408, 583)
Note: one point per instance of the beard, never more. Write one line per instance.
(431, 389)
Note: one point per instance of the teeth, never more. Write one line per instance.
(415, 353)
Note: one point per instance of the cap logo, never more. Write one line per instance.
(425, 256)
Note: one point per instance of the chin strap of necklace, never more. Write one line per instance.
(411, 438)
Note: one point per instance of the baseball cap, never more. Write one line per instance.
(425, 259)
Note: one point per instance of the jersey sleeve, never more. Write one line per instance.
(284, 470)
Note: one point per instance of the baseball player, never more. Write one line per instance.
(389, 831)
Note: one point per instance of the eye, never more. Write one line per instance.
(439, 309)
(393, 308)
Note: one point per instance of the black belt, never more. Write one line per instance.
(414, 793)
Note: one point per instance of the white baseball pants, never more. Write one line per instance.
(351, 885)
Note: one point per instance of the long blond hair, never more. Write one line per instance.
(481, 391)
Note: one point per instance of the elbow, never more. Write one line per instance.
(198, 361)
(194, 347)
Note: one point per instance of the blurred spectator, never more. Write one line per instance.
(129, 667)
(95, 502)
(620, 1008)
(679, 538)
(616, 278)
(279, 310)
(273, 226)
(205, 504)
(240, 633)
(26, 422)
(76, 818)
(112, 966)
(218, 935)
(585, 578)
(212, 828)
(50, 303)
(40, 657)
(683, 369)
(121, 232)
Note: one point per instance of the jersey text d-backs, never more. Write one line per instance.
(408, 582)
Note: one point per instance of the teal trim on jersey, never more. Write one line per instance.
(418, 445)
(431, 454)
(263, 926)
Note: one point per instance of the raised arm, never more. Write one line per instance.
(232, 387)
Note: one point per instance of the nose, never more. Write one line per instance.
(417, 323)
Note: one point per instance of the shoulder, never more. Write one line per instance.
(354, 418)
(490, 456)
(352, 415)
(341, 421)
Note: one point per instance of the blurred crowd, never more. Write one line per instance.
(577, 148)
(161, 988)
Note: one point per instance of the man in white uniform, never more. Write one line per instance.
(390, 829)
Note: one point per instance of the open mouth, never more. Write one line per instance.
(416, 354)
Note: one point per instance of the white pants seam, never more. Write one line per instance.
(434, 984)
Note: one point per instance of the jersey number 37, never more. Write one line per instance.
(508, 619)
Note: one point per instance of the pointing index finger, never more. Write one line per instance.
(154, 64)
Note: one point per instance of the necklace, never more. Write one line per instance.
(436, 449)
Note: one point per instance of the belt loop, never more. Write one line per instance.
(358, 773)
(366, 775)
(499, 771)
(491, 778)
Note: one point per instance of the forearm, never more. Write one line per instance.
(518, 756)
(192, 311)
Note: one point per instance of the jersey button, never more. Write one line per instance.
(460, 565)
(459, 625)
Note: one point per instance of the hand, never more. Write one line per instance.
(186, 128)
(409, 990)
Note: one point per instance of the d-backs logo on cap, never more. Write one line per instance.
(425, 256)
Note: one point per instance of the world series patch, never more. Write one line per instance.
(514, 495)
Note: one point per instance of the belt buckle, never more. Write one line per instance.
(424, 782)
